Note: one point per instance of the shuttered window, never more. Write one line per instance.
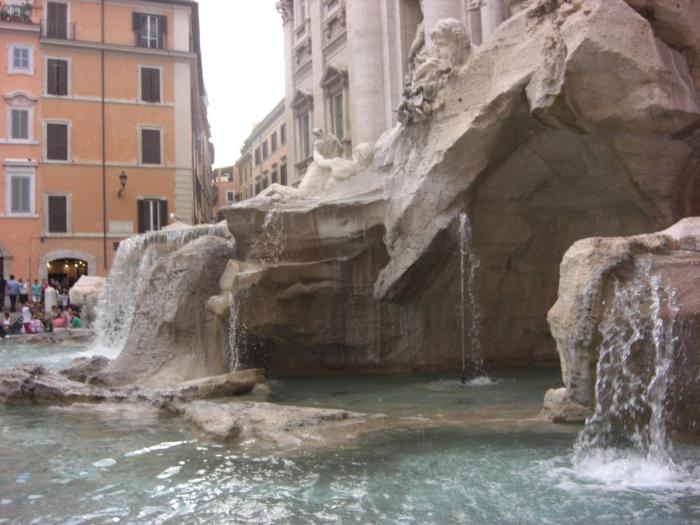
(57, 77)
(150, 30)
(20, 124)
(283, 174)
(56, 141)
(150, 146)
(20, 194)
(58, 213)
(150, 84)
(57, 20)
(152, 214)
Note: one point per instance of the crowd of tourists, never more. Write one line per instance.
(35, 307)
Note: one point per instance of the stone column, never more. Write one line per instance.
(434, 10)
(364, 30)
(286, 9)
(492, 15)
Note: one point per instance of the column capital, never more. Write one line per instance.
(286, 9)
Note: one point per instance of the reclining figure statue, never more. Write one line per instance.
(324, 172)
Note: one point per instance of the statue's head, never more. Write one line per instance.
(364, 154)
(450, 41)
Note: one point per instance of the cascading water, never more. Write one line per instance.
(130, 272)
(270, 247)
(626, 437)
(469, 263)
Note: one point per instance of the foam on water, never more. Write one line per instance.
(625, 442)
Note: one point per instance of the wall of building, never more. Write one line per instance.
(100, 212)
(20, 233)
(258, 171)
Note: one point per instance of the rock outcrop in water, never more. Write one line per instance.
(153, 307)
(576, 118)
(627, 327)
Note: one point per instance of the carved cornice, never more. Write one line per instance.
(285, 9)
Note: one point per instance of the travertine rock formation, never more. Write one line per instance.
(574, 119)
(615, 280)
(169, 337)
(85, 294)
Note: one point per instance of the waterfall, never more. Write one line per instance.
(469, 263)
(638, 348)
(130, 273)
(270, 245)
(271, 242)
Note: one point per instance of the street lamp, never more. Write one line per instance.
(122, 181)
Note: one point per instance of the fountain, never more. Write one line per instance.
(130, 273)
(526, 135)
(638, 348)
(467, 257)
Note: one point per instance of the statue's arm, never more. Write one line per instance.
(321, 160)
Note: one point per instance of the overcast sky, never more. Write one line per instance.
(243, 56)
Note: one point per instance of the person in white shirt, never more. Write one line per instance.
(27, 319)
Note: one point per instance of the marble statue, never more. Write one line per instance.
(316, 178)
(428, 70)
(343, 169)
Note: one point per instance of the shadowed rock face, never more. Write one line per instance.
(574, 119)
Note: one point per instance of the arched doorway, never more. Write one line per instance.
(66, 271)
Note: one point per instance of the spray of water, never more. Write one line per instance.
(626, 436)
(130, 272)
(469, 263)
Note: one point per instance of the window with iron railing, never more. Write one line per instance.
(56, 23)
(150, 30)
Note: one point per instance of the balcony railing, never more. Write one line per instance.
(16, 13)
(57, 29)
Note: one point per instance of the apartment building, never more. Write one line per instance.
(264, 153)
(121, 143)
(228, 187)
(346, 62)
(20, 137)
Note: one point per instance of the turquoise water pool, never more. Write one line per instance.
(491, 461)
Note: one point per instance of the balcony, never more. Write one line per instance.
(21, 14)
(57, 29)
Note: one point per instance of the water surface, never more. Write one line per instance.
(490, 462)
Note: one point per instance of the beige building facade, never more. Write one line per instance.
(347, 60)
(264, 154)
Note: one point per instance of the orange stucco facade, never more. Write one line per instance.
(112, 126)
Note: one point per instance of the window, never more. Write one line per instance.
(150, 84)
(57, 20)
(273, 177)
(257, 156)
(150, 30)
(338, 116)
(57, 76)
(19, 124)
(283, 134)
(152, 214)
(150, 146)
(57, 213)
(56, 141)
(304, 136)
(273, 141)
(229, 197)
(283, 174)
(21, 59)
(264, 150)
(19, 190)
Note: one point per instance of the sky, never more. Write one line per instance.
(243, 57)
